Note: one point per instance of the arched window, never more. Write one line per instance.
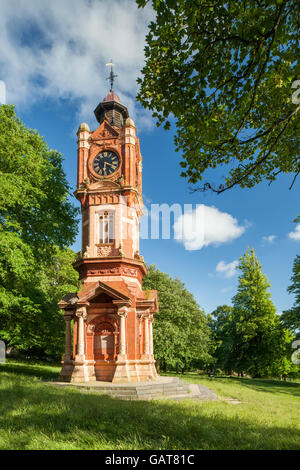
(106, 227)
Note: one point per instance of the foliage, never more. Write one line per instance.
(259, 344)
(227, 73)
(180, 329)
(294, 288)
(37, 221)
(34, 191)
(29, 315)
(291, 317)
(220, 323)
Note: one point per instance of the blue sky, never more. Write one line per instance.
(56, 76)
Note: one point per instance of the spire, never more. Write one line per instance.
(111, 96)
(111, 107)
(112, 76)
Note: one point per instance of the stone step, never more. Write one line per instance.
(173, 389)
(146, 397)
(184, 396)
(135, 392)
(143, 393)
(175, 392)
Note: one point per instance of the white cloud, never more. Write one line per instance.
(269, 238)
(229, 269)
(295, 235)
(59, 49)
(205, 226)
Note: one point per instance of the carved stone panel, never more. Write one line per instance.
(104, 251)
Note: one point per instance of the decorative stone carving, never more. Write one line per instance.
(123, 311)
(104, 327)
(85, 183)
(119, 270)
(121, 180)
(121, 252)
(103, 251)
(81, 312)
(104, 198)
(87, 253)
(90, 328)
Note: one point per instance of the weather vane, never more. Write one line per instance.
(112, 76)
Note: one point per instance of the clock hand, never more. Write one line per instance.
(103, 169)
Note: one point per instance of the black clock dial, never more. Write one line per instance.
(106, 163)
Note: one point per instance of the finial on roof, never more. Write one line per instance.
(112, 76)
(111, 107)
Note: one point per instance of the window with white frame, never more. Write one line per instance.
(106, 227)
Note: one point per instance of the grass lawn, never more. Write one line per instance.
(34, 415)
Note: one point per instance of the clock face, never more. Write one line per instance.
(106, 163)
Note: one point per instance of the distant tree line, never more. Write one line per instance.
(182, 336)
(249, 337)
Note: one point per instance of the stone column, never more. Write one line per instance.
(122, 312)
(151, 355)
(68, 347)
(80, 371)
(140, 325)
(147, 344)
(116, 340)
(81, 316)
(151, 334)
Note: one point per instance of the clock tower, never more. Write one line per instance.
(111, 339)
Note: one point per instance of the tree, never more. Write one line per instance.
(30, 318)
(37, 221)
(259, 342)
(34, 194)
(220, 323)
(228, 74)
(180, 329)
(291, 317)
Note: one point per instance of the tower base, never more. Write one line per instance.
(120, 371)
(77, 372)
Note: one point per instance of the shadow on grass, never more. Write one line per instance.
(270, 386)
(48, 372)
(267, 385)
(259, 385)
(43, 416)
